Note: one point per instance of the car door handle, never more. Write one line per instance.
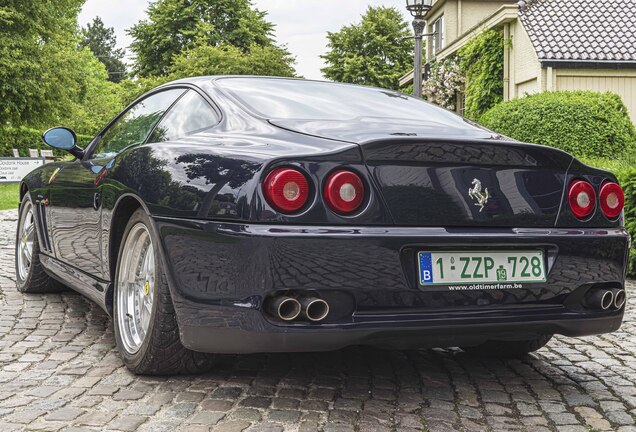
(97, 201)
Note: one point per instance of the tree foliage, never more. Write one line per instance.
(46, 78)
(102, 42)
(37, 47)
(174, 26)
(95, 99)
(230, 60)
(377, 51)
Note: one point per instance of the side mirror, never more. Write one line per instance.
(62, 138)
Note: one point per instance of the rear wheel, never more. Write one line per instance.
(508, 349)
(30, 276)
(146, 328)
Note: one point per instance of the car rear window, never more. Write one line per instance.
(275, 98)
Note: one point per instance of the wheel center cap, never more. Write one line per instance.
(147, 287)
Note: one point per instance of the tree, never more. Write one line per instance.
(230, 60)
(102, 42)
(93, 99)
(46, 78)
(376, 52)
(174, 26)
(37, 48)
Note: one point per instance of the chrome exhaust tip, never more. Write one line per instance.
(600, 299)
(619, 298)
(314, 309)
(285, 308)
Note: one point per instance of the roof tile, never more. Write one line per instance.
(581, 29)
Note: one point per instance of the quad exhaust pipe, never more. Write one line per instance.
(288, 308)
(314, 309)
(600, 299)
(285, 308)
(605, 299)
(619, 298)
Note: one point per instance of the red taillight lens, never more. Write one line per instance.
(344, 192)
(582, 199)
(612, 200)
(286, 190)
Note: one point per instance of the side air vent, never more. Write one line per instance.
(43, 225)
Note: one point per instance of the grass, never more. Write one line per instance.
(9, 196)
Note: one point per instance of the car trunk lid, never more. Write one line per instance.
(452, 175)
(454, 183)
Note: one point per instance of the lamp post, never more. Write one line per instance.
(418, 9)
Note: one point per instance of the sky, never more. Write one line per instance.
(301, 25)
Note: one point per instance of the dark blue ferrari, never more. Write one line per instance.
(246, 215)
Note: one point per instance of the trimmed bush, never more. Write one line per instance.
(23, 139)
(583, 123)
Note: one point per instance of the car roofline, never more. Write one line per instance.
(215, 78)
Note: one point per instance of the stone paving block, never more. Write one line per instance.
(206, 417)
(60, 370)
(127, 423)
(65, 414)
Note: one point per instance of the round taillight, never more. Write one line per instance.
(582, 199)
(344, 192)
(612, 200)
(286, 190)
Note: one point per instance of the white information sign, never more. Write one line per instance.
(13, 170)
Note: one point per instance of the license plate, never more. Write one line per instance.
(444, 268)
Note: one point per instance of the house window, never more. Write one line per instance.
(438, 34)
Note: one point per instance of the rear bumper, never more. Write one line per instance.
(220, 274)
(257, 335)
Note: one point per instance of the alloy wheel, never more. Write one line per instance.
(26, 242)
(135, 287)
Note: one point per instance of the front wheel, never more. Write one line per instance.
(508, 349)
(146, 328)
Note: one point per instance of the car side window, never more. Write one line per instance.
(190, 115)
(134, 126)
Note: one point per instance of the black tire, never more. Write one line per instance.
(35, 280)
(161, 351)
(508, 349)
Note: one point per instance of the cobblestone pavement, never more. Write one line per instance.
(59, 370)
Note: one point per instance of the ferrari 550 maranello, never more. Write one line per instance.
(247, 215)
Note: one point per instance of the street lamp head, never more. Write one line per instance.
(418, 8)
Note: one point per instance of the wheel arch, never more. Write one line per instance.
(124, 208)
(23, 190)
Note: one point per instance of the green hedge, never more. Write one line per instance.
(583, 123)
(23, 139)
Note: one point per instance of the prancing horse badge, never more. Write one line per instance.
(476, 194)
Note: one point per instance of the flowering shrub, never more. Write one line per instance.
(445, 82)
